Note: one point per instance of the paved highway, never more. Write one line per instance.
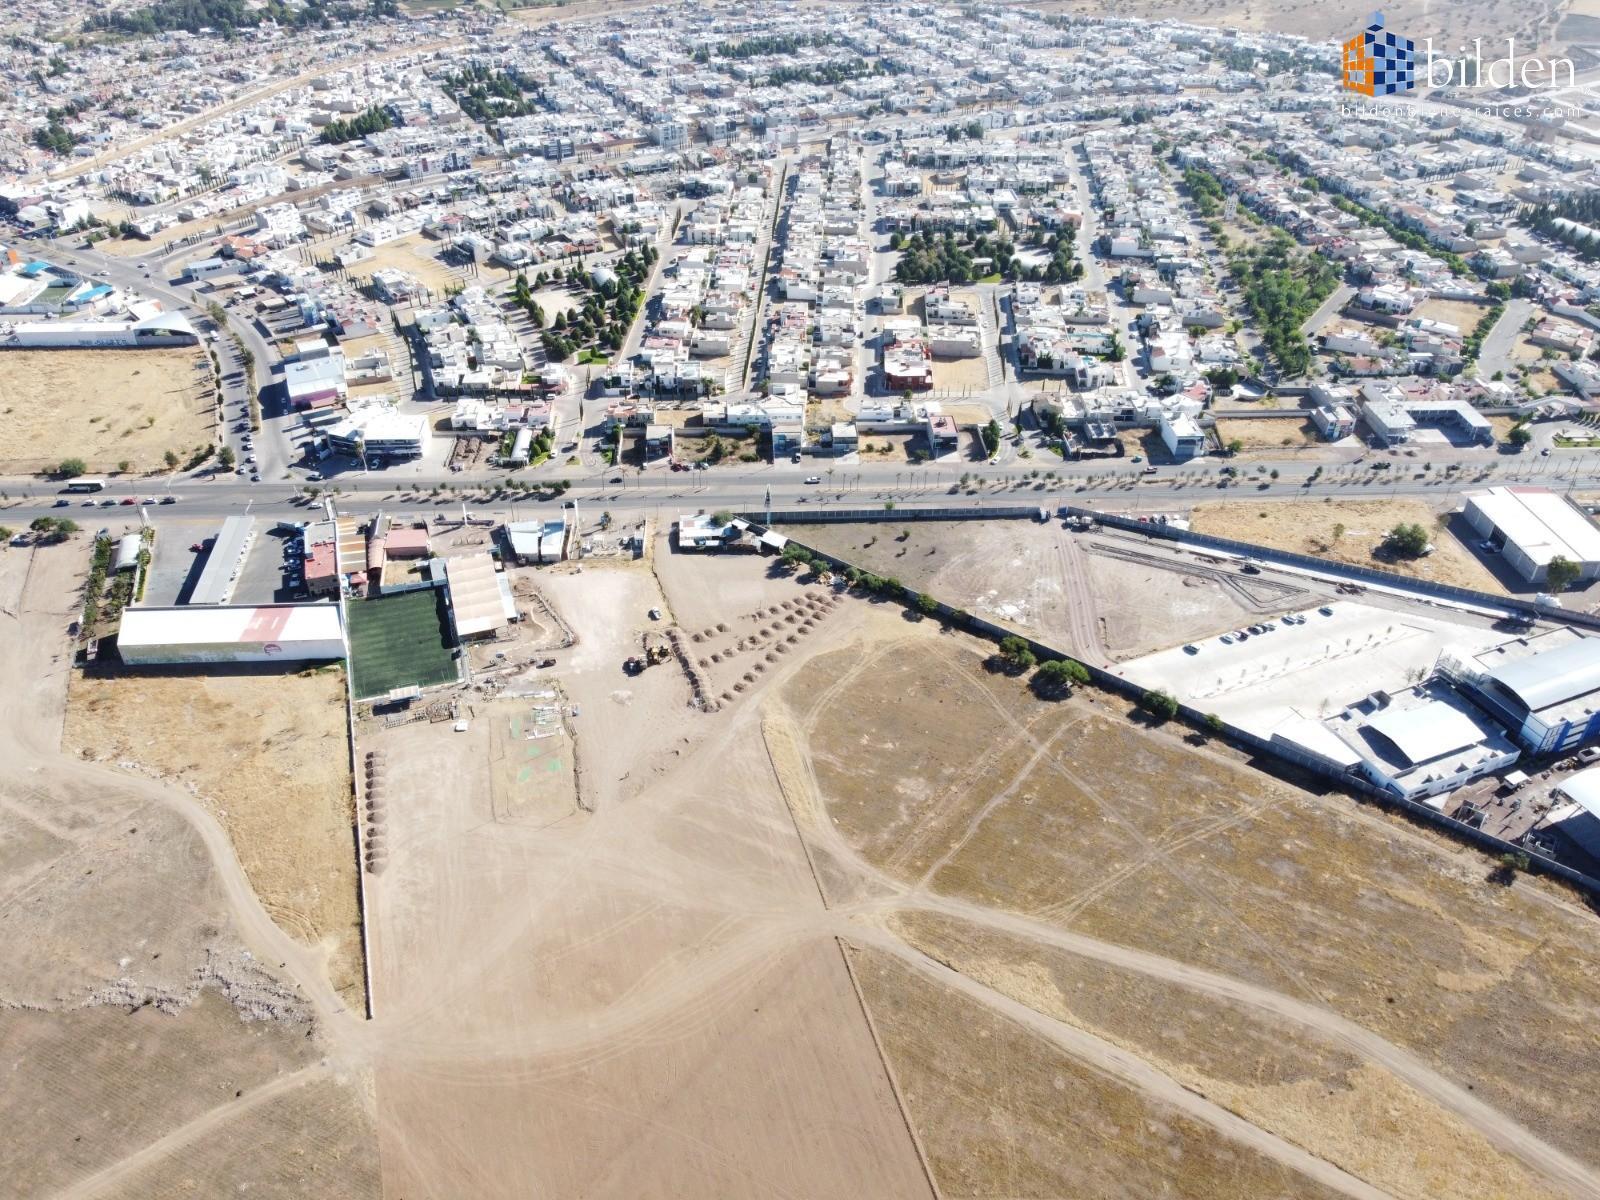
(1115, 485)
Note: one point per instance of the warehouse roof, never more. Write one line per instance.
(1428, 731)
(1583, 789)
(186, 625)
(479, 603)
(1547, 678)
(1540, 523)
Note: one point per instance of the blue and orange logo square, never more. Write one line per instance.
(1378, 62)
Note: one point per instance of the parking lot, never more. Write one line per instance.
(1338, 654)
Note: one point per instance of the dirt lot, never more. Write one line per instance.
(266, 755)
(1041, 580)
(638, 997)
(1315, 528)
(960, 374)
(1385, 953)
(1270, 434)
(132, 405)
(163, 1037)
(415, 254)
(1463, 314)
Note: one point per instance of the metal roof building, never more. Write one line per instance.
(1532, 526)
(231, 634)
(225, 560)
(480, 596)
(1550, 697)
(1552, 676)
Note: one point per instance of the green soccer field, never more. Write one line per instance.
(400, 641)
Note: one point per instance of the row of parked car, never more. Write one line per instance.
(1261, 627)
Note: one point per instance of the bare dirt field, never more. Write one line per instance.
(266, 755)
(163, 1037)
(1270, 434)
(1386, 954)
(634, 995)
(951, 374)
(103, 406)
(1346, 531)
(1042, 580)
(415, 254)
(1463, 314)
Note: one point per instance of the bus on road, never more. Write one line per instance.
(86, 485)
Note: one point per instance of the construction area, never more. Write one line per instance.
(129, 406)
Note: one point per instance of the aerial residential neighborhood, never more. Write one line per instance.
(810, 599)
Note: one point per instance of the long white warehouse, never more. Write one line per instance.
(1531, 526)
(163, 329)
(230, 633)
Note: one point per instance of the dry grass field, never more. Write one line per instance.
(266, 754)
(1422, 987)
(103, 406)
(1270, 434)
(1346, 531)
(1290, 1081)
(1005, 1112)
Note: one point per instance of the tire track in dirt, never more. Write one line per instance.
(108, 1180)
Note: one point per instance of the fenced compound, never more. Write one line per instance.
(1347, 781)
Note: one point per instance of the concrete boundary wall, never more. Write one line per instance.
(1112, 682)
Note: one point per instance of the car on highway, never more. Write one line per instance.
(1150, 470)
(169, 499)
(62, 503)
(813, 478)
(129, 500)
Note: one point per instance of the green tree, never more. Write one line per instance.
(1159, 704)
(926, 604)
(225, 458)
(1519, 435)
(796, 556)
(1407, 541)
(70, 468)
(1016, 655)
(1561, 574)
(1057, 678)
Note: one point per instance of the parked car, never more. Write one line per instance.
(1226, 639)
(169, 499)
(126, 500)
(1150, 469)
(61, 504)
(1325, 611)
(813, 478)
